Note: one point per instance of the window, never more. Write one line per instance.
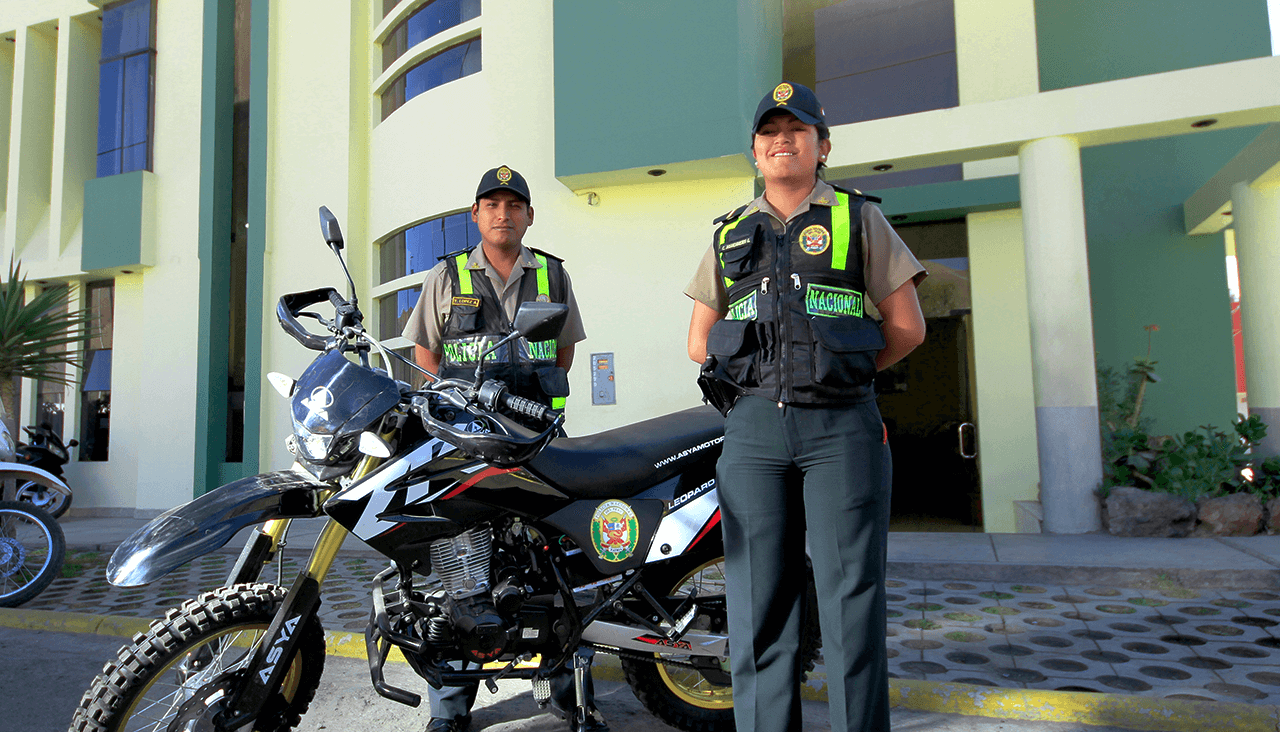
(425, 22)
(448, 65)
(51, 396)
(418, 248)
(125, 88)
(394, 311)
(95, 404)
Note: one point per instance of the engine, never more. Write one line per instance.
(495, 600)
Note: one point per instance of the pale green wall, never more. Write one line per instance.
(661, 81)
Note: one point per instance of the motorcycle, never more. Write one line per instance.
(46, 452)
(32, 546)
(509, 547)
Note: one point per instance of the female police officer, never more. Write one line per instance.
(779, 324)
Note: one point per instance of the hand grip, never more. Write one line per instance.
(527, 407)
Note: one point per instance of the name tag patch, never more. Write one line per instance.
(736, 243)
(464, 301)
(744, 309)
(832, 302)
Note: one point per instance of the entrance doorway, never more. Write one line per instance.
(927, 399)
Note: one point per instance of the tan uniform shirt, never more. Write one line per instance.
(886, 261)
(426, 324)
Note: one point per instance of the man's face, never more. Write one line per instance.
(502, 218)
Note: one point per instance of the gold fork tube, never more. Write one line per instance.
(334, 533)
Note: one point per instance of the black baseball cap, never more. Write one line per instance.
(503, 178)
(797, 99)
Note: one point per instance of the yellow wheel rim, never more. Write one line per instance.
(686, 683)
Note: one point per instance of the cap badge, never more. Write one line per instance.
(782, 92)
(815, 239)
(504, 175)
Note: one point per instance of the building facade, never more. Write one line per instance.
(1071, 173)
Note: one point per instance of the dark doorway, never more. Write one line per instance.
(927, 398)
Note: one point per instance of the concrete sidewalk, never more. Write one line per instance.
(1166, 634)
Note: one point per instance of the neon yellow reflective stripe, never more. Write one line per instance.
(544, 281)
(723, 233)
(464, 279)
(840, 231)
(557, 402)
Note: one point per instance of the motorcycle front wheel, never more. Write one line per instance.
(42, 497)
(196, 652)
(690, 699)
(32, 548)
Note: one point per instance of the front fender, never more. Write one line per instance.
(198, 527)
(29, 472)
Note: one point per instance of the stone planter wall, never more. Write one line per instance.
(1136, 512)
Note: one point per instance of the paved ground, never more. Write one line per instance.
(44, 674)
(1170, 642)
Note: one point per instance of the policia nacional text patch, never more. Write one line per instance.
(832, 302)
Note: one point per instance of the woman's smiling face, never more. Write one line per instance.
(786, 148)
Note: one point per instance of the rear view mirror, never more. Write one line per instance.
(329, 227)
(541, 321)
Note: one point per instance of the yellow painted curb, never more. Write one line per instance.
(1118, 710)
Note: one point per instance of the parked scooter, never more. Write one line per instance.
(46, 452)
(32, 546)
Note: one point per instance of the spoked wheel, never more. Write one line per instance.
(701, 700)
(181, 669)
(42, 497)
(32, 548)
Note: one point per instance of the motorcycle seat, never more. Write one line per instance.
(622, 462)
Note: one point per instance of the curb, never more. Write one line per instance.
(1118, 710)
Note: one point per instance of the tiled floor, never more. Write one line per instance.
(1171, 642)
(1178, 643)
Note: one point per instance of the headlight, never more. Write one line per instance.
(314, 447)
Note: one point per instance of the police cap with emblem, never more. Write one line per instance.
(797, 99)
(503, 178)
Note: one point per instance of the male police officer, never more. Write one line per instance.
(468, 302)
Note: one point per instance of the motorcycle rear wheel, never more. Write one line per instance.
(42, 497)
(32, 548)
(685, 698)
(196, 651)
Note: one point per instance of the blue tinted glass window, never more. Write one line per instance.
(110, 102)
(394, 311)
(124, 88)
(419, 248)
(438, 16)
(137, 99)
(442, 68)
(126, 28)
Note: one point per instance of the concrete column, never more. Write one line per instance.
(1256, 212)
(1061, 320)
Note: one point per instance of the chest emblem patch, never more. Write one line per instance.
(615, 531)
(782, 92)
(465, 301)
(504, 175)
(815, 239)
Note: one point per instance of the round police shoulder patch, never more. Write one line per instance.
(815, 239)
(782, 92)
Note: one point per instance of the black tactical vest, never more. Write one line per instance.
(477, 320)
(795, 331)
